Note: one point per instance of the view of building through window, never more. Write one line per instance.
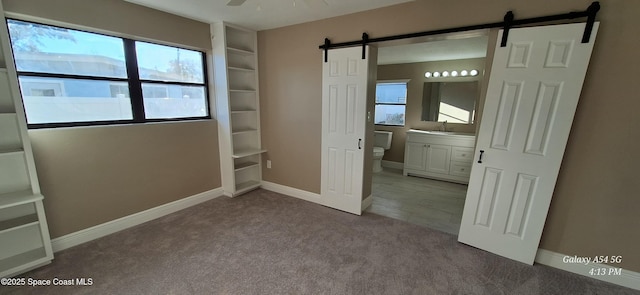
(69, 76)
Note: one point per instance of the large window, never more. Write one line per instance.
(70, 78)
(391, 102)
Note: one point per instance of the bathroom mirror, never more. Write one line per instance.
(454, 102)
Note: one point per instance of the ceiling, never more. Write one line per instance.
(264, 14)
(267, 14)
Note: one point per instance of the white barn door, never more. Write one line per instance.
(344, 103)
(533, 92)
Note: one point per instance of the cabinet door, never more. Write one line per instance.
(414, 156)
(438, 158)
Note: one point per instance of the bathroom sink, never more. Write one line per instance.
(440, 132)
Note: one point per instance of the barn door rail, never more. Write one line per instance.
(507, 23)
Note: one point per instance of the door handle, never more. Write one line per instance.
(359, 141)
(480, 159)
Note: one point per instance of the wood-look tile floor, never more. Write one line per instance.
(426, 202)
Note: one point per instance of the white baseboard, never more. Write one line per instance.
(293, 192)
(392, 164)
(627, 278)
(367, 202)
(304, 195)
(107, 228)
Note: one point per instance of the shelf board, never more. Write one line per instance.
(247, 152)
(246, 165)
(18, 222)
(241, 51)
(241, 69)
(240, 131)
(246, 186)
(15, 261)
(243, 111)
(242, 90)
(7, 151)
(18, 198)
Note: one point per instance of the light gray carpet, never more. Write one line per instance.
(267, 243)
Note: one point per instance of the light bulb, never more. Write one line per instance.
(474, 73)
(427, 74)
(436, 74)
(454, 73)
(463, 73)
(445, 74)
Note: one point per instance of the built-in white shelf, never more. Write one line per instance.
(247, 152)
(24, 236)
(238, 106)
(18, 223)
(10, 151)
(24, 260)
(247, 186)
(243, 112)
(18, 198)
(246, 165)
(242, 90)
(241, 69)
(240, 51)
(240, 131)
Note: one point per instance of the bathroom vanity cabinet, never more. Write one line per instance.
(439, 155)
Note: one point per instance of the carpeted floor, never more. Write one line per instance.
(267, 243)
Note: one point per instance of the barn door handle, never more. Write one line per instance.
(359, 141)
(480, 159)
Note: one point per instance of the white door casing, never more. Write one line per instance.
(344, 106)
(531, 99)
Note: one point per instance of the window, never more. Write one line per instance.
(70, 78)
(391, 101)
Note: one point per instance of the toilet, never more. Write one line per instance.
(381, 142)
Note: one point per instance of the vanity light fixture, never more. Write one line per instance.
(454, 73)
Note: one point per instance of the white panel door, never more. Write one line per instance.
(344, 99)
(533, 92)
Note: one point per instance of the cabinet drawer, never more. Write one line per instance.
(461, 154)
(460, 169)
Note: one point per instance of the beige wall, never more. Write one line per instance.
(413, 116)
(91, 175)
(115, 16)
(594, 207)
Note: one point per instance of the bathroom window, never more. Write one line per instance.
(391, 102)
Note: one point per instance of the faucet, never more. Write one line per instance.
(443, 127)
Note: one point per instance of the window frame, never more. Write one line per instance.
(133, 80)
(406, 85)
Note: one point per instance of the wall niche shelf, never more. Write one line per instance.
(237, 107)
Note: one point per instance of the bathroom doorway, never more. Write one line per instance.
(425, 65)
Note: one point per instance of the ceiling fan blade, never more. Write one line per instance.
(235, 2)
